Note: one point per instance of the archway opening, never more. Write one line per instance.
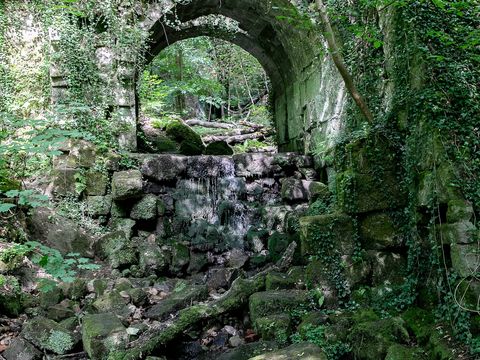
(216, 90)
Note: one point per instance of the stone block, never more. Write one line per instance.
(145, 209)
(253, 165)
(102, 334)
(127, 185)
(164, 167)
(379, 231)
(362, 193)
(97, 183)
(99, 205)
(325, 234)
(274, 327)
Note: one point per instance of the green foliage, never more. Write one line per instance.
(58, 267)
(316, 335)
(59, 342)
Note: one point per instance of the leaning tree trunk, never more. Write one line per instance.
(340, 63)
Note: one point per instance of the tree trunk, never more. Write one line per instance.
(340, 63)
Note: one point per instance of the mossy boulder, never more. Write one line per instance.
(459, 210)
(277, 244)
(379, 231)
(324, 234)
(97, 183)
(48, 335)
(402, 352)
(371, 339)
(180, 258)
(118, 249)
(438, 184)
(112, 302)
(362, 193)
(127, 185)
(302, 351)
(465, 259)
(99, 205)
(275, 327)
(218, 148)
(274, 302)
(293, 279)
(462, 232)
(181, 297)
(190, 142)
(420, 323)
(103, 334)
(145, 209)
(20, 349)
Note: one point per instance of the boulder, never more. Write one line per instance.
(84, 152)
(102, 334)
(99, 205)
(274, 302)
(253, 165)
(378, 231)
(46, 334)
(112, 302)
(275, 327)
(180, 298)
(293, 279)
(58, 232)
(145, 209)
(210, 166)
(152, 260)
(324, 234)
(190, 142)
(218, 148)
(20, 349)
(164, 167)
(122, 224)
(302, 351)
(11, 297)
(118, 249)
(127, 185)
(64, 181)
(371, 339)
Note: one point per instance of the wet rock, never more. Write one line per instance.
(305, 351)
(250, 165)
(99, 205)
(177, 300)
(274, 302)
(102, 334)
(145, 209)
(221, 277)
(20, 349)
(164, 167)
(127, 185)
(46, 334)
(198, 261)
(201, 167)
(180, 258)
(218, 148)
(60, 233)
(294, 190)
(237, 258)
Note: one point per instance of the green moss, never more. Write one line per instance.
(420, 322)
(277, 244)
(274, 327)
(274, 302)
(402, 352)
(218, 148)
(438, 347)
(190, 142)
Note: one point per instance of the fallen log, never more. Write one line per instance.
(235, 139)
(236, 297)
(210, 124)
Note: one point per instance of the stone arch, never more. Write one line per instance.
(287, 52)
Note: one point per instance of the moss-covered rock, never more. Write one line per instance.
(420, 323)
(99, 205)
(402, 352)
(438, 347)
(387, 268)
(190, 142)
(103, 334)
(11, 297)
(145, 209)
(324, 234)
(462, 232)
(305, 351)
(371, 339)
(274, 327)
(274, 302)
(180, 258)
(465, 259)
(218, 148)
(293, 279)
(459, 210)
(178, 299)
(277, 244)
(111, 302)
(127, 185)
(363, 193)
(46, 334)
(438, 184)
(118, 249)
(20, 349)
(97, 183)
(379, 231)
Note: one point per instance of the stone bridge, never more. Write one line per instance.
(308, 95)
